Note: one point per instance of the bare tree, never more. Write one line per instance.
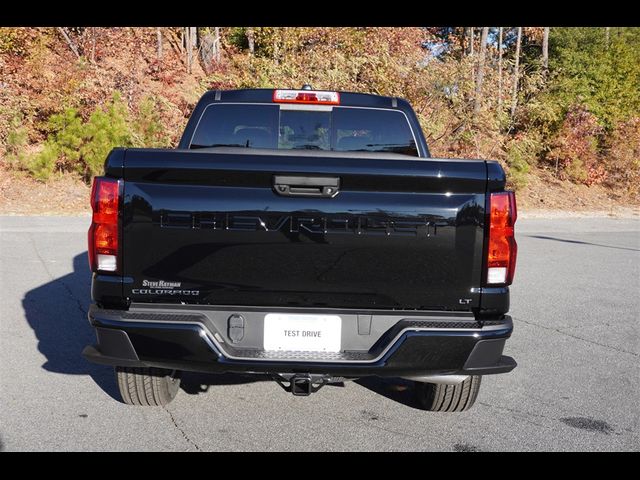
(190, 36)
(545, 50)
(276, 45)
(480, 77)
(159, 40)
(463, 41)
(217, 44)
(251, 40)
(194, 37)
(187, 46)
(210, 47)
(500, 67)
(473, 64)
(516, 75)
(70, 42)
(92, 57)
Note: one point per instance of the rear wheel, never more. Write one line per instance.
(147, 386)
(448, 398)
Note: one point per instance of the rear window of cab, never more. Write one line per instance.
(337, 128)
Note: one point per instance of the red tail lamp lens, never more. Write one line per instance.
(503, 249)
(103, 232)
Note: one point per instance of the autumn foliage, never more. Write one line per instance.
(575, 148)
(64, 105)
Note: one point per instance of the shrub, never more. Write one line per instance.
(106, 129)
(74, 145)
(623, 156)
(13, 41)
(42, 165)
(522, 153)
(604, 77)
(148, 129)
(65, 138)
(15, 144)
(574, 151)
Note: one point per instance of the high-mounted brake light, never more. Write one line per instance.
(306, 96)
(103, 232)
(502, 251)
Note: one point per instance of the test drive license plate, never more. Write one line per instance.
(302, 333)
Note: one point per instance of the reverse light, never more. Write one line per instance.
(103, 232)
(502, 250)
(306, 96)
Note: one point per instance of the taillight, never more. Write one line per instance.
(502, 251)
(103, 232)
(306, 96)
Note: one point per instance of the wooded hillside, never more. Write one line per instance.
(554, 105)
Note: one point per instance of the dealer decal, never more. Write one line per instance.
(161, 287)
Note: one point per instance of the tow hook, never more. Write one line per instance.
(303, 385)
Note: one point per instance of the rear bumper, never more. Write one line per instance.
(392, 343)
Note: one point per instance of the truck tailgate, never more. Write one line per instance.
(211, 227)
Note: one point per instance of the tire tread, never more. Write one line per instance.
(448, 398)
(147, 386)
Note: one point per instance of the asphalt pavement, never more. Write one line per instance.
(576, 310)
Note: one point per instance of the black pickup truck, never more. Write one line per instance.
(307, 235)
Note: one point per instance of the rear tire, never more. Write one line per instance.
(151, 387)
(448, 398)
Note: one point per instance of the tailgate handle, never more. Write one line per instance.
(297, 186)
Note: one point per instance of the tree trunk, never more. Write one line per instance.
(607, 31)
(276, 46)
(193, 35)
(516, 75)
(217, 44)
(545, 51)
(210, 48)
(67, 38)
(471, 53)
(92, 58)
(480, 77)
(159, 40)
(500, 67)
(188, 32)
(186, 43)
(251, 40)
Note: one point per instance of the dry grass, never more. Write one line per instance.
(545, 192)
(62, 195)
